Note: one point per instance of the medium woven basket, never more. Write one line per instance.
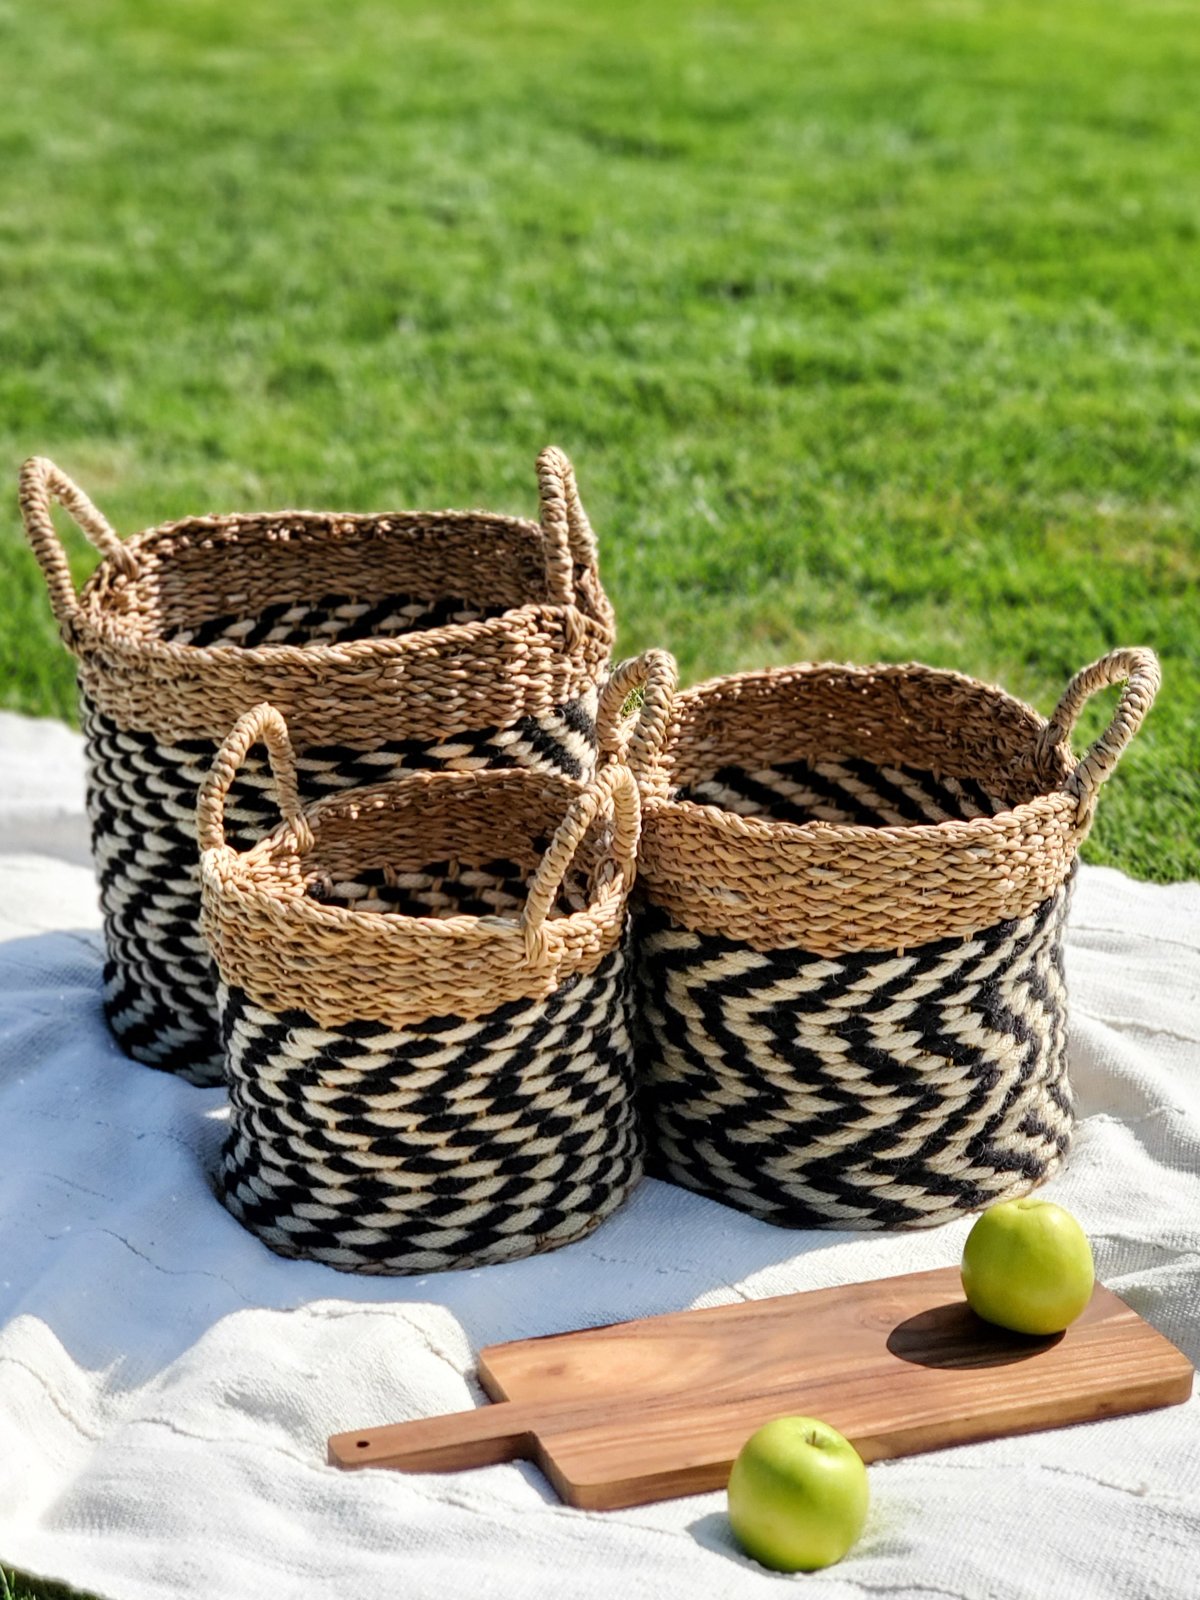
(452, 639)
(853, 885)
(424, 1002)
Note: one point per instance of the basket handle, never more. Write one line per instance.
(614, 789)
(1139, 671)
(263, 724)
(42, 485)
(570, 542)
(637, 739)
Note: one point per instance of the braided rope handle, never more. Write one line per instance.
(1139, 671)
(263, 724)
(613, 790)
(638, 739)
(42, 485)
(570, 540)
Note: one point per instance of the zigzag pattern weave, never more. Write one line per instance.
(332, 619)
(868, 1090)
(844, 791)
(159, 983)
(445, 889)
(448, 1143)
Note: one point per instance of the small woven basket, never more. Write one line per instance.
(852, 891)
(424, 1003)
(390, 642)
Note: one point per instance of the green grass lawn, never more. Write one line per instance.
(873, 329)
(15, 1587)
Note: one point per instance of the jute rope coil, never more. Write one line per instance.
(438, 640)
(424, 1004)
(644, 686)
(852, 889)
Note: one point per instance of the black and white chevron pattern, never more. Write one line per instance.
(448, 1143)
(331, 619)
(867, 1090)
(844, 791)
(496, 888)
(159, 984)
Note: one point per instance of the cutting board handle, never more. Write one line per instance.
(481, 1438)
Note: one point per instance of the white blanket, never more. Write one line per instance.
(167, 1385)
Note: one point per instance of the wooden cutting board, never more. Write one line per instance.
(641, 1411)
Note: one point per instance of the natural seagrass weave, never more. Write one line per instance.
(853, 886)
(438, 640)
(424, 1001)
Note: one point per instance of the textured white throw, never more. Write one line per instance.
(166, 1384)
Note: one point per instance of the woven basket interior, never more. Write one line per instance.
(330, 619)
(845, 790)
(451, 852)
(903, 749)
(309, 578)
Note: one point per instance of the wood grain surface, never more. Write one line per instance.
(645, 1410)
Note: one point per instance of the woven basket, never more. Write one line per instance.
(853, 885)
(425, 1009)
(412, 640)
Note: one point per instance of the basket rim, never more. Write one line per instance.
(233, 521)
(99, 617)
(390, 926)
(953, 830)
(728, 685)
(105, 627)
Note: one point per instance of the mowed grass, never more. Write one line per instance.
(873, 329)
(14, 1586)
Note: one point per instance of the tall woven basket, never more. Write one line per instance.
(453, 639)
(425, 1010)
(853, 886)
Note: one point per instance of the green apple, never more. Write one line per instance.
(1027, 1265)
(797, 1495)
